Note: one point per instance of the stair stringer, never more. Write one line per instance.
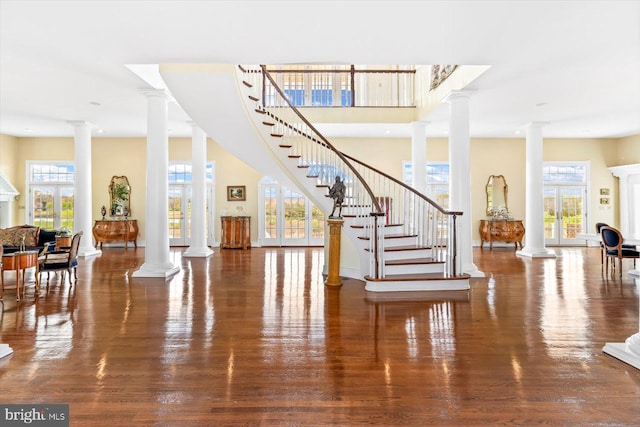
(209, 94)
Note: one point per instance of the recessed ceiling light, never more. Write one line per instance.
(97, 104)
(540, 104)
(518, 132)
(100, 131)
(28, 130)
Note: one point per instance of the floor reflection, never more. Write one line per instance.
(257, 332)
(564, 321)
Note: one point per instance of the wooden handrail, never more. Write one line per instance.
(327, 144)
(405, 186)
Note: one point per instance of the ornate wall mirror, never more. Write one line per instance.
(120, 193)
(497, 190)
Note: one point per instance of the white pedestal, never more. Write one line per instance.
(5, 350)
(628, 351)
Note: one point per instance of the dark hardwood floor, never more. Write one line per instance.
(253, 338)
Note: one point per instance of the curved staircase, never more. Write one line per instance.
(406, 242)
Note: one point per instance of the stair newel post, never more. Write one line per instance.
(454, 245)
(335, 234)
(264, 87)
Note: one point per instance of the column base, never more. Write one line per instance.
(193, 252)
(536, 252)
(147, 270)
(628, 351)
(333, 282)
(90, 251)
(472, 270)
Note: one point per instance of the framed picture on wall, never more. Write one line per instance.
(604, 200)
(236, 193)
(604, 191)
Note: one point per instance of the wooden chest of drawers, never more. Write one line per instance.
(508, 231)
(236, 232)
(108, 231)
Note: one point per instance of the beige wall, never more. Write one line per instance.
(127, 156)
(8, 169)
(629, 150)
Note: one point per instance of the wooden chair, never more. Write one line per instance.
(62, 260)
(613, 248)
(1, 271)
(599, 226)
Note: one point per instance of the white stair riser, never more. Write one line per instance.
(418, 285)
(414, 268)
(400, 241)
(412, 254)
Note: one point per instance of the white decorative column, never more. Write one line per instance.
(460, 177)
(156, 252)
(628, 351)
(198, 246)
(82, 199)
(629, 190)
(419, 156)
(534, 210)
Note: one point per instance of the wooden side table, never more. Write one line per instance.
(19, 261)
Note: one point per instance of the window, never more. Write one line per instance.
(437, 181)
(51, 188)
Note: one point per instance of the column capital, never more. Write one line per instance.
(157, 93)
(79, 123)
(420, 124)
(536, 124)
(458, 96)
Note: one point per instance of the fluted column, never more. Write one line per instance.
(82, 199)
(335, 235)
(419, 156)
(198, 246)
(534, 210)
(156, 253)
(460, 177)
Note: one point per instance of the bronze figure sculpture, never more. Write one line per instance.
(336, 192)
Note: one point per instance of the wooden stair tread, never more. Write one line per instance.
(359, 226)
(390, 236)
(415, 277)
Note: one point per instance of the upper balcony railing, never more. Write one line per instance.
(346, 86)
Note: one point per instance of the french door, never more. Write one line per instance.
(52, 206)
(180, 214)
(564, 214)
(289, 218)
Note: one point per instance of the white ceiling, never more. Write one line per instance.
(572, 64)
